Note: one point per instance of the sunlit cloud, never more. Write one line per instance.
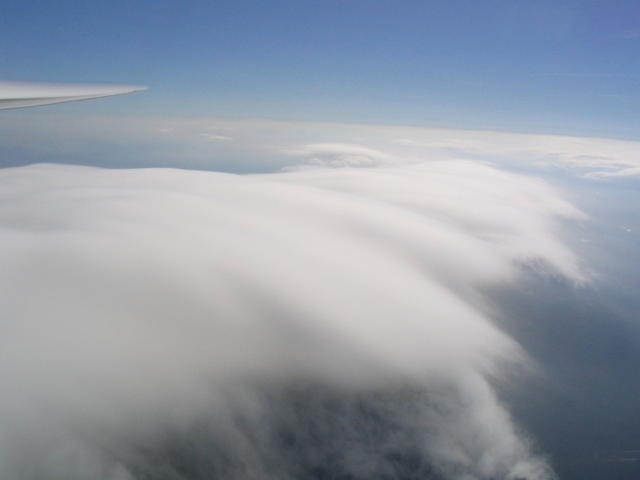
(141, 303)
(259, 146)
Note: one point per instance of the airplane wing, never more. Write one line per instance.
(28, 94)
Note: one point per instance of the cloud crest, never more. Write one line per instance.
(132, 298)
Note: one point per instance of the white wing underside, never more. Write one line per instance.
(29, 94)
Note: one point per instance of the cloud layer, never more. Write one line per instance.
(250, 146)
(141, 302)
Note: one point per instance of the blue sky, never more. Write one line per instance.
(543, 66)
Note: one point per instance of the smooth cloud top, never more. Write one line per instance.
(154, 287)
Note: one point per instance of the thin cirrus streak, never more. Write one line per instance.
(144, 307)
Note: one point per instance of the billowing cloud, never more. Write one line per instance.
(180, 324)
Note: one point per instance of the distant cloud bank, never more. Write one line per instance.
(265, 146)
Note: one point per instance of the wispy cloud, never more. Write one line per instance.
(604, 75)
(623, 172)
(216, 137)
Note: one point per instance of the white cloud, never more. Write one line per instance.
(581, 154)
(259, 146)
(131, 299)
(623, 172)
(216, 137)
(336, 155)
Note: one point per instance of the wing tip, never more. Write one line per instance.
(28, 94)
